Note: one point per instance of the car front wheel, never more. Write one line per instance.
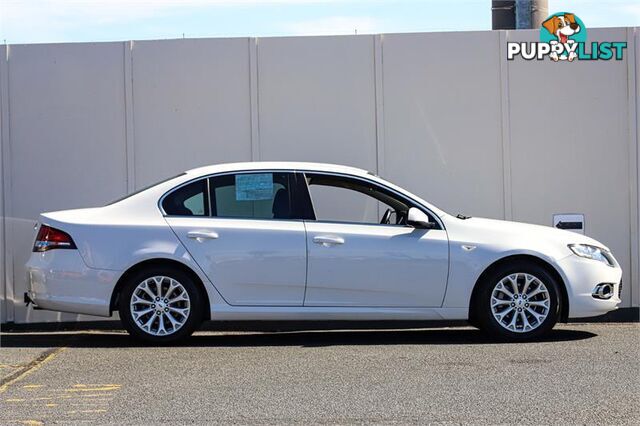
(518, 302)
(160, 305)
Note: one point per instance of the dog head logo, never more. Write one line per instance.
(562, 26)
(563, 30)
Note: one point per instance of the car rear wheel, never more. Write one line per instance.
(161, 305)
(519, 301)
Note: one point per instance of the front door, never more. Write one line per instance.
(355, 260)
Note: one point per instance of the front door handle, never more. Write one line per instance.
(328, 240)
(202, 235)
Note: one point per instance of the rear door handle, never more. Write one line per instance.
(328, 240)
(202, 235)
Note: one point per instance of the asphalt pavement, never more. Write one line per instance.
(580, 374)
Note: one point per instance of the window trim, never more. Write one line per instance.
(303, 186)
(209, 197)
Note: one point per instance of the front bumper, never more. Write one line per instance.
(581, 277)
(59, 280)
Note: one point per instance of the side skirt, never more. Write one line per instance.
(316, 313)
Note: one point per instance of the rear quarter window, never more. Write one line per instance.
(188, 200)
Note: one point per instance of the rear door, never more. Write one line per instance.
(244, 232)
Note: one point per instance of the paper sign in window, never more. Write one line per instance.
(254, 187)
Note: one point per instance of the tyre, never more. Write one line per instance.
(518, 301)
(161, 305)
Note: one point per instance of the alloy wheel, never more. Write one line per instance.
(520, 302)
(160, 305)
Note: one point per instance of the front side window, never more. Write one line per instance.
(344, 199)
(189, 200)
(260, 195)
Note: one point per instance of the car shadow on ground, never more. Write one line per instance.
(316, 338)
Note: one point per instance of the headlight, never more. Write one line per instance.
(592, 252)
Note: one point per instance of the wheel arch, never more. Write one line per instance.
(113, 305)
(564, 306)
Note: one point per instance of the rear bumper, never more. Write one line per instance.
(582, 276)
(59, 280)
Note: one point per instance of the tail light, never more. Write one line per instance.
(51, 238)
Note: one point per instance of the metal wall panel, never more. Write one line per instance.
(316, 100)
(191, 105)
(442, 119)
(67, 141)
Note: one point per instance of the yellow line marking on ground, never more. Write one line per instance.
(86, 404)
(103, 388)
(30, 368)
(32, 386)
(51, 405)
(14, 400)
(80, 397)
(31, 422)
(95, 385)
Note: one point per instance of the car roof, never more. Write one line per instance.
(277, 165)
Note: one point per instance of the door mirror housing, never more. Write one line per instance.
(418, 219)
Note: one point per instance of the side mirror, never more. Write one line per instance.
(418, 219)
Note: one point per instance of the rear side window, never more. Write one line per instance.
(263, 195)
(188, 200)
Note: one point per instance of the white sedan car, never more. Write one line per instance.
(301, 241)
